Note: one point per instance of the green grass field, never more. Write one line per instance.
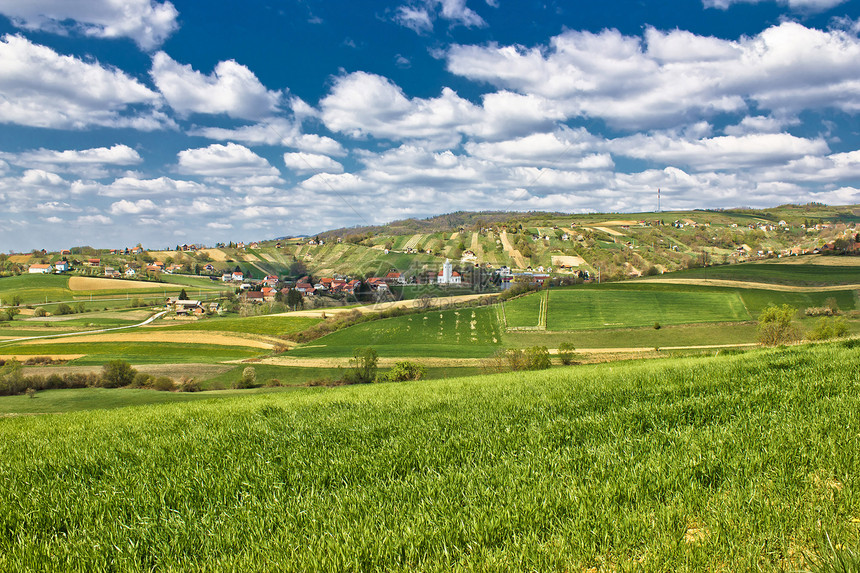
(135, 352)
(467, 332)
(730, 463)
(777, 273)
(265, 325)
(606, 307)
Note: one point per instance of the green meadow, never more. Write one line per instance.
(263, 325)
(135, 352)
(778, 273)
(733, 463)
(462, 333)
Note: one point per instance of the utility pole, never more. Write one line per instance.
(658, 200)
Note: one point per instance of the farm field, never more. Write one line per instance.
(467, 332)
(785, 273)
(691, 464)
(262, 325)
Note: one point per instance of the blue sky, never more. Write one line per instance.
(127, 121)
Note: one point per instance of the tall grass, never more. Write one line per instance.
(730, 463)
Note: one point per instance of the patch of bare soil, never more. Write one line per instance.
(216, 255)
(567, 261)
(96, 283)
(182, 337)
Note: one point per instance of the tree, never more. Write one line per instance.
(363, 366)
(538, 358)
(183, 295)
(117, 373)
(63, 308)
(566, 353)
(295, 300)
(405, 370)
(775, 325)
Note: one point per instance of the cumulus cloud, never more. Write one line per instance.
(41, 88)
(720, 153)
(89, 162)
(303, 163)
(276, 131)
(419, 16)
(147, 22)
(125, 207)
(669, 78)
(129, 187)
(231, 89)
(231, 160)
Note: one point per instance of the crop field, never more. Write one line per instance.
(467, 332)
(692, 464)
(585, 309)
(135, 352)
(779, 273)
(263, 325)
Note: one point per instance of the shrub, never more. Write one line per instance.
(248, 379)
(656, 325)
(405, 370)
(363, 365)
(40, 312)
(141, 380)
(63, 308)
(163, 384)
(775, 326)
(566, 353)
(538, 358)
(117, 373)
(828, 328)
(189, 385)
(820, 311)
(273, 383)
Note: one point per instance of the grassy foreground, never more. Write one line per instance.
(727, 463)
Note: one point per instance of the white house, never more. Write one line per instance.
(62, 266)
(39, 269)
(448, 276)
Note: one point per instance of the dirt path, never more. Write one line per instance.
(512, 252)
(752, 285)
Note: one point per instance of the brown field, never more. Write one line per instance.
(567, 261)
(97, 283)
(19, 258)
(22, 357)
(176, 371)
(323, 312)
(216, 255)
(184, 337)
(617, 223)
(819, 260)
(612, 232)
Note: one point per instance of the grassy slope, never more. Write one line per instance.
(266, 325)
(747, 457)
(135, 352)
(778, 273)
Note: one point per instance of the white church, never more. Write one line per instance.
(448, 276)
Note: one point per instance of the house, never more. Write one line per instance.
(174, 268)
(304, 287)
(209, 267)
(94, 262)
(130, 272)
(268, 294)
(136, 250)
(154, 268)
(254, 245)
(395, 278)
(448, 276)
(253, 296)
(238, 276)
(65, 252)
(39, 269)
(111, 272)
(227, 277)
(185, 307)
(270, 280)
(62, 266)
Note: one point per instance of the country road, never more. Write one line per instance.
(144, 323)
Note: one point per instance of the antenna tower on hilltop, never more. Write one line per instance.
(658, 199)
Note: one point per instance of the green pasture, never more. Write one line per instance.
(732, 463)
(777, 273)
(34, 289)
(135, 352)
(467, 332)
(523, 311)
(263, 325)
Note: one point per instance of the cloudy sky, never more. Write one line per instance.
(164, 122)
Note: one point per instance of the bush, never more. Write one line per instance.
(163, 384)
(273, 383)
(538, 358)
(775, 326)
(566, 353)
(248, 379)
(63, 308)
(515, 360)
(363, 365)
(117, 373)
(40, 312)
(405, 370)
(828, 328)
(189, 385)
(820, 311)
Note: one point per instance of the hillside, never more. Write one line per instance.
(692, 464)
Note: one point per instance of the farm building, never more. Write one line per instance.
(39, 269)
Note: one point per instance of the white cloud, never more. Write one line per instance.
(761, 124)
(231, 89)
(724, 152)
(566, 149)
(125, 207)
(274, 132)
(127, 187)
(303, 163)
(419, 16)
(363, 104)
(219, 226)
(231, 161)
(41, 88)
(799, 5)
(87, 162)
(147, 22)
(94, 220)
(672, 78)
